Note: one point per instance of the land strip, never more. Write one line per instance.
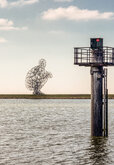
(54, 96)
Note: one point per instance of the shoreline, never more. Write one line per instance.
(49, 96)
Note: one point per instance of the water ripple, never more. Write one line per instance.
(52, 132)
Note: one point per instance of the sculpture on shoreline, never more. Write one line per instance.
(37, 77)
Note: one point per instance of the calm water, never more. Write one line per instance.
(52, 132)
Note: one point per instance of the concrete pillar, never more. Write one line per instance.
(96, 100)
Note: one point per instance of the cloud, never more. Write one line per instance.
(2, 40)
(74, 13)
(63, 0)
(7, 25)
(5, 3)
(23, 2)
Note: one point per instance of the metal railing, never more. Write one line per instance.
(85, 56)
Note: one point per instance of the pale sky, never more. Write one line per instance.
(50, 29)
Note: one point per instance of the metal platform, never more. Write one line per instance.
(83, 56)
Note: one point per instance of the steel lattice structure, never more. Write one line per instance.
(97, 57)
(37, 77)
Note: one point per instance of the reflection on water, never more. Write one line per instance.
(52, 132)
(99, 151)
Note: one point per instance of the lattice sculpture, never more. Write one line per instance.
(37, 77)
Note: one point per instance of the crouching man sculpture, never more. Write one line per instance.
(37, 77)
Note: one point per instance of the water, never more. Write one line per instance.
(52, 132)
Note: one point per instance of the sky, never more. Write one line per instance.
(50, 29)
